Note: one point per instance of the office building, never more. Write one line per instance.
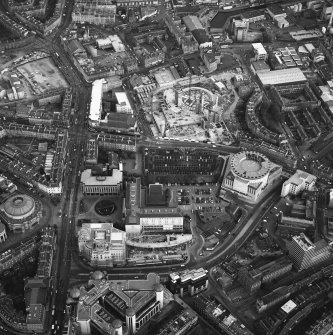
(96, 102)
(189, 282)
(298, 182)
(252, 278)
(102, 244)
(249, 174)
(147, 210)
(102, 182)
(131, 302)
(123, 104)
(260, 52)
(305, 254)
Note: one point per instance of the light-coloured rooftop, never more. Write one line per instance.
(88, 180)
(300, 177)
(259, 48)
(250, 165)
(96, 100)
(284, 76)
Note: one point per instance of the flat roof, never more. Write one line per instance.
(192, 22)
(259, 48)
(300, 177)
(122, 99)
(284, 76)
(116, 42)
(260, 65)
(96, 100)
(88, 180)
(288, 306)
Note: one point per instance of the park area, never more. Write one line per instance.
(43, 75)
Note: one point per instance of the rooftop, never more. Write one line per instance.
(300, 177)
(192, 22)
(96, 100)
(284, 76)
(303, 242)
(89, 180)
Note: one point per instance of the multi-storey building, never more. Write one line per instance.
(97, 182)
(35, 296)
(92, 152)
(152, 58)
(298, 182)
(132, 303)
(100, 12)
(305, 254)
(10, 257)
(139, 3)
(96, 103)
(259, 51)
(36, 290)
(253, 277)
(249, 174)
(46, 251)
(123, 105)
(218, 316)
(156, 222)
(147, 211)
(102, 244)
(191, 282)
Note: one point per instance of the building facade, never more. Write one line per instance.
(102, 184)
(102, 244)
(305, 254)
(249, 174)
(298, 182)
(132, 303)
(189, 282)
(21, 212)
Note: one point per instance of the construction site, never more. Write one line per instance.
(190, 112)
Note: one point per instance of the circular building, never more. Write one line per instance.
(3, 235)
(21, 212)
(250, 166)
(249, 174)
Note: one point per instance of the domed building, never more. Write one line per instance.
(20, 212)
(249, 174)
